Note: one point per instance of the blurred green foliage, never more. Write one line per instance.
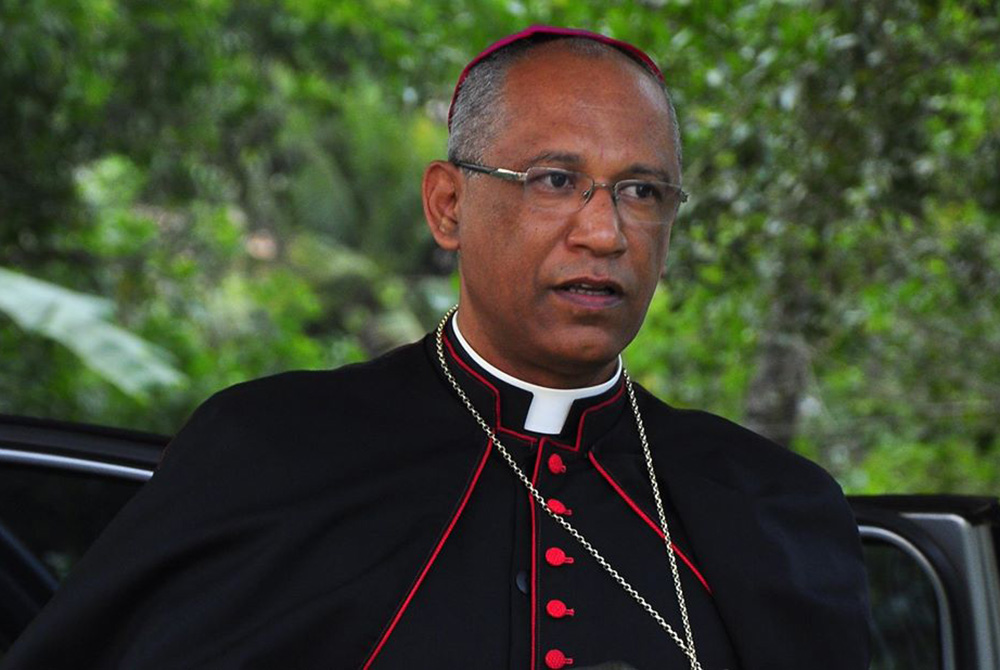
(239, 182)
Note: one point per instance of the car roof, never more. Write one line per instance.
(21, 436)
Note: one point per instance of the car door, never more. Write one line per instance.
(932, 567)
(60, 485)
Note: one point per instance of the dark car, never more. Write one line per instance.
(932, 560)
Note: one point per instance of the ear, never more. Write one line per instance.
(442, 187)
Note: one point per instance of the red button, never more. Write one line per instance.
(557, 609)
(555, 557)
(555, 659)
(556, 465)
(559, 508)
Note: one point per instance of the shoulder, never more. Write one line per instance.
(357, 432)
(732, 452)
(311, 390)
(790, 515)
(309, 412)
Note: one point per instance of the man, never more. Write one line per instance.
(499, 495)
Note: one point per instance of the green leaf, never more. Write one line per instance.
(80, 323)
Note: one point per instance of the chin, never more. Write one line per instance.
(596, 343)
(583, 355)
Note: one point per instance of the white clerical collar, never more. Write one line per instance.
(549, 407)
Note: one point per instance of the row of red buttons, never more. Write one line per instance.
(557, 467)
(554, 556)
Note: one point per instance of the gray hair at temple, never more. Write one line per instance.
(479, 110)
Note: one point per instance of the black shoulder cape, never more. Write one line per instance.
(359, 518)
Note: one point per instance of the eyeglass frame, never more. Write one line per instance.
(522, 177)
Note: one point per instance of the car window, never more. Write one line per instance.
(57, 514)
(907, 611)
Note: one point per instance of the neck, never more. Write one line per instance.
(549, 406)
(556, 369)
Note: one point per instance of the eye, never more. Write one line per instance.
(634, 189)
(551, 180)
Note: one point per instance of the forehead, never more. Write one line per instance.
(598, 104)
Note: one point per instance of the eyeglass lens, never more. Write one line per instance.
(566, 192)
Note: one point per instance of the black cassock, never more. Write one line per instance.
(359, 518)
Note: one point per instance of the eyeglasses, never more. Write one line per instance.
(564, 192)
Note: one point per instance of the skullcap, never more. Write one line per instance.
(634, 52)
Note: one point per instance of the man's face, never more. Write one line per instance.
(554, 299)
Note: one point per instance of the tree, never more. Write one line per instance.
(240, 180)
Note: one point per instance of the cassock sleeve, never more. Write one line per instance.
(281, 530)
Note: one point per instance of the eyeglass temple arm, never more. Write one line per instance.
(509, 175)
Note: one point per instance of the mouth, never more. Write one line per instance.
(593, 293)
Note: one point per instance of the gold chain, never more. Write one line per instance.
(686, 645)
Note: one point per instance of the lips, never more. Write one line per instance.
(588, 289)
(591, 292)
(591, 285)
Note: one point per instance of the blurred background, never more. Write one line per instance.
(199, 192)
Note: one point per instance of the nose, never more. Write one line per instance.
(597, 226)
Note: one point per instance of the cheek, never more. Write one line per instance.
(650, 250)
(514, 245)
(498, 257)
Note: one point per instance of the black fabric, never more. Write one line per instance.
(293, 517)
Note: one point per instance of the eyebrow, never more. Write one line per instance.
(576, 161)
(649, 171)
(556, 157)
